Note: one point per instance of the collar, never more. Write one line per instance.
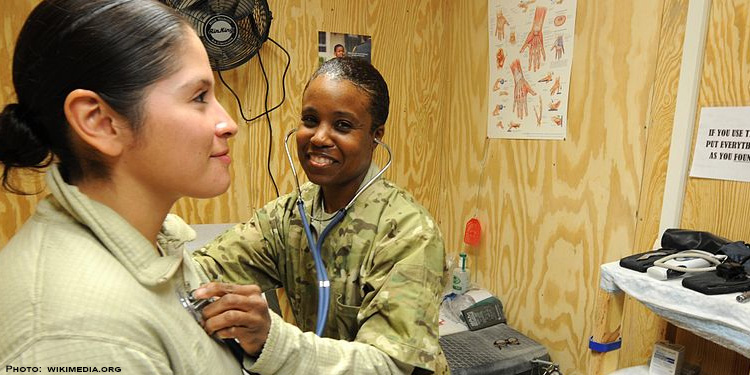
(124, 242)
(318, 213)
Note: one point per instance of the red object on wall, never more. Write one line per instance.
(473, 232)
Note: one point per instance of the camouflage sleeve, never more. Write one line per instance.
(400, 314)
(247, 253)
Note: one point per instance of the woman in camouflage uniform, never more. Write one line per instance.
(385, 260)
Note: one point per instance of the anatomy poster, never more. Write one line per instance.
(531, 51)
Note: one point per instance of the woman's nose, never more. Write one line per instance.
(226, 128)
(321, 137)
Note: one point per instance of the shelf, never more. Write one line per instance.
(718, 318)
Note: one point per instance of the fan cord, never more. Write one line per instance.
(283, 86)
(265, 103)
(268, 121)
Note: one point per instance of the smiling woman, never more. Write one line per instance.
(118, 97)
(385, 258)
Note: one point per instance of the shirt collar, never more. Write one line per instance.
(124, 242)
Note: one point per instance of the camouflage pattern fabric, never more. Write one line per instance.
(385, 261)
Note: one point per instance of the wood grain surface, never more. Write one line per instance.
(551, 211)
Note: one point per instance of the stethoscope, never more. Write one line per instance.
(324, 285)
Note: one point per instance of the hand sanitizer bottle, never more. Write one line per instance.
(461, 277)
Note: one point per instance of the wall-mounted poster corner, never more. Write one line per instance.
(530, 59)
(332, 45)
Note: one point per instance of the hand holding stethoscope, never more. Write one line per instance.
(220, 320)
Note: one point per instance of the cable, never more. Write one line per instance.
(265, 105)
(708, 257)
(283, 86)
(268, 121)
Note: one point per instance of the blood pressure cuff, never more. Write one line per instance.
(641, 262)
(684, 239)
(737, 252)
(711, 283)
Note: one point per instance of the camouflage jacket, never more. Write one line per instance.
(385, 261)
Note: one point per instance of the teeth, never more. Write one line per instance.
(320, 160)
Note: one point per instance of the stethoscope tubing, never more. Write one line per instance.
(324, 284)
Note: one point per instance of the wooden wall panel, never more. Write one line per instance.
(14, 209)
(719, 204)
(408, 49)
(721, 207)
(640, 327)
(553, 211)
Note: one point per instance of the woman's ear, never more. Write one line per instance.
(94, 122)
(379, 132)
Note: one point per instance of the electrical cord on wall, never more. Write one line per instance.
(265, 104)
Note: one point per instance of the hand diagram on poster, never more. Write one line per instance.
(525, 4)
(521, 90)
(554, 105)
(555, 87)
(557, 120)
(535, 40)
(497, 84)
(497, 109)
(500, 25)
(558, 47)
(500, 58)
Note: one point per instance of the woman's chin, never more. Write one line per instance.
(216, 188)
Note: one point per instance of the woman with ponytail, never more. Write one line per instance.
(115, 100)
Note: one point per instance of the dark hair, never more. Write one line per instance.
(115, 48)
(337, 46)
(365, 77)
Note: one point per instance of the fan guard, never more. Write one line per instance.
(231, 30)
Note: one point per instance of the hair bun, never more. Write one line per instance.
(20, 147)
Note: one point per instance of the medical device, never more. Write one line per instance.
(688, 261)
(195, 306)
(192, 305)
(324, 285)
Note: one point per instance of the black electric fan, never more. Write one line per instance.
(231, 30)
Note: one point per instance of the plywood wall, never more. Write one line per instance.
(14, 209)
(725, 62)
(407, 49)
(721, 207)
(552, 211)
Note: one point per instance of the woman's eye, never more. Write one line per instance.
(309, 120)
(344, 125)
(201, 98)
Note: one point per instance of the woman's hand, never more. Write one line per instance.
(239, 312)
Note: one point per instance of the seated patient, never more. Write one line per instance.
(117, 97)
(385, 260)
